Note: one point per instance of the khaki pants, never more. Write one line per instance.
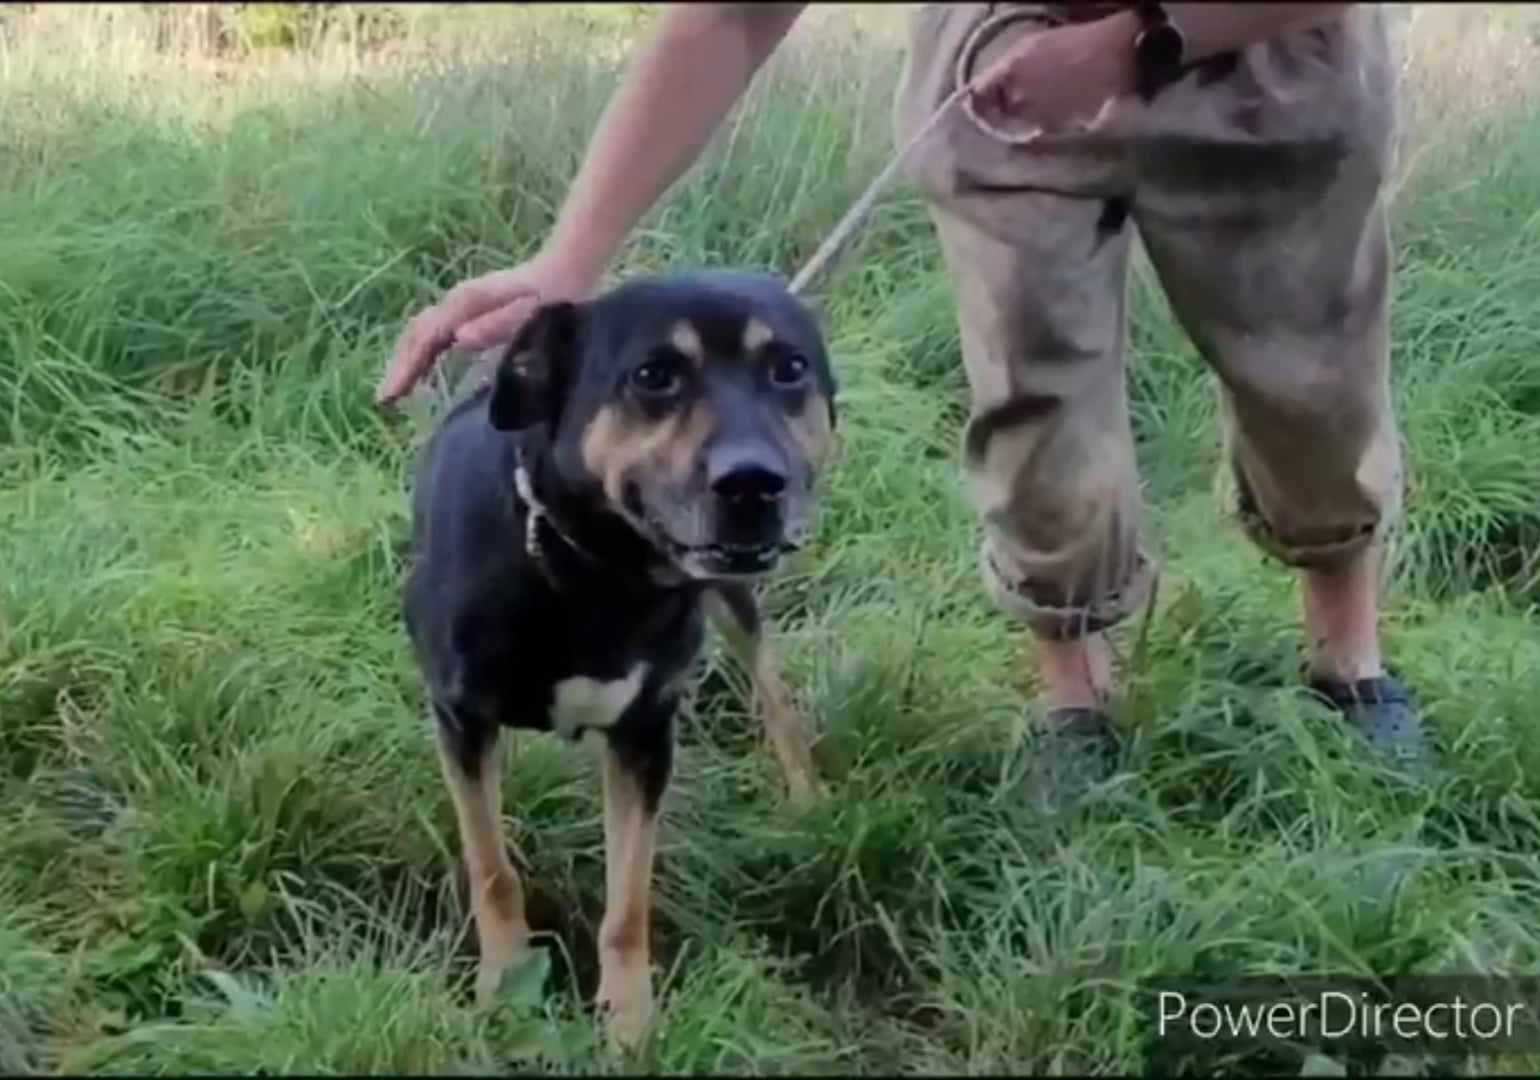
(1257, 190)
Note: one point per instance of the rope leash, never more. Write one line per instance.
(856, 216)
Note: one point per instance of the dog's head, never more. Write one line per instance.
(699, 408)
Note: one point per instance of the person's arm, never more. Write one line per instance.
(673, 97)
(676, 93)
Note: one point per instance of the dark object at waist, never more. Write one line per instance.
(1084, 13)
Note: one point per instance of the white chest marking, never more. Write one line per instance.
(581, 703)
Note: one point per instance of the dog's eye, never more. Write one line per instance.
(658, 377)
(788, 369)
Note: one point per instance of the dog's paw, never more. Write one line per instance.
(496, 965)
(625, 1001)
(804, 790)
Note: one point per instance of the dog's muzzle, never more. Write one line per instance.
(750, 507)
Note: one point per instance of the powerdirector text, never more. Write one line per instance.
(1197, 1023)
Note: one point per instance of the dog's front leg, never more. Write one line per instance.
(472, 765)
(636, 771)
(736, 613)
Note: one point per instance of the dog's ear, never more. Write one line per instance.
(534, 372)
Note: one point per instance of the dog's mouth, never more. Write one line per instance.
(728, 560)
(719, 559)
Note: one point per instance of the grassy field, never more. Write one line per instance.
(224, 842)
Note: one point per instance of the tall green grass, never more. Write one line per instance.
(224, 843)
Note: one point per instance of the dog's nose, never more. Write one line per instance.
(750, 483)
(746, 474)
(748, 479)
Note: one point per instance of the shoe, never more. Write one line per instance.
(1075, 749)
(1380, 709)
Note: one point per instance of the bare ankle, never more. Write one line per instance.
(1341, 609)
(1076, 673)
(1325, 663)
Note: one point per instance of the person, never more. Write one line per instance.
(1253, 167)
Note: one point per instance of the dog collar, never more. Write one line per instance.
(536, 513)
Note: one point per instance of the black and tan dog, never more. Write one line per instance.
(636, 461)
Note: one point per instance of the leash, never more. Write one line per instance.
(856, 216)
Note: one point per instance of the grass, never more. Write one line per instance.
(225, 846)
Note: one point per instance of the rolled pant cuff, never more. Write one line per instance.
(1328, 551)
(1013, 596)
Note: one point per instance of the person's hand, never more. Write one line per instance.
(1060, 79)
(479, 314)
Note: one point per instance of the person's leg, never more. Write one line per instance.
(1048, 452)
(1261, 204)
(1039, 268)
(1341, 608)
(1342, 617)
(1076, 673)
(1048, 457)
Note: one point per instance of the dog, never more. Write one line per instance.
(634, 465)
